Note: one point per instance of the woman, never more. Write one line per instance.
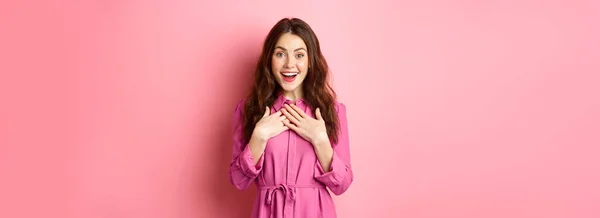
(292, 154)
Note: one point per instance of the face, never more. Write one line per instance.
(290, 62)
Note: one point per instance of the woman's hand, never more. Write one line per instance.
(270, 125)
(312, 130)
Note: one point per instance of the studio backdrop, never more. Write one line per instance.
(462, 109)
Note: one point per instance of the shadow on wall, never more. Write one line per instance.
(229, 201)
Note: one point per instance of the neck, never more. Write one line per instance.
(293, 95)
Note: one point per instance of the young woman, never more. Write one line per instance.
(290, 134)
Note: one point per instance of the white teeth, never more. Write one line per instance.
(290, 74)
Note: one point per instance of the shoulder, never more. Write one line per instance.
(339, 107)
(239, 107)
(240, 103)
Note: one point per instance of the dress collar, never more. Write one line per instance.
(282, 100)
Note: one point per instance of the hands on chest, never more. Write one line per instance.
(292, 117)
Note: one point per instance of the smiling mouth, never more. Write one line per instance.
(289, 76)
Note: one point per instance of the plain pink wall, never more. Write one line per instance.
(456, 108)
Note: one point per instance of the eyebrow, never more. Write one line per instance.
(279, 47)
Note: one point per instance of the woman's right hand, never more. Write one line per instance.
(270, 125)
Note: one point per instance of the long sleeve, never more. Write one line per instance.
(242, 170)
(340, 176)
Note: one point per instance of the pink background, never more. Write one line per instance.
(456, 108)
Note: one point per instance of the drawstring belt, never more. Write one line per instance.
(289, 193)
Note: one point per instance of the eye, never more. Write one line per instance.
(279, 54)
(300, 55)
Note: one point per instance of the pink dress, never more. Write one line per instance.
(290, 180)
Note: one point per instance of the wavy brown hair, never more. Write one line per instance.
(317, 91)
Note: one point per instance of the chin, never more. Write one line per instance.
(289, 88)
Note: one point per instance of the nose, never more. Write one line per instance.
(290, 63)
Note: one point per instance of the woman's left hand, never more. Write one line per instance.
(312, 130)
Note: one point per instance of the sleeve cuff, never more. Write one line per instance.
(335, 176)
(246, 163)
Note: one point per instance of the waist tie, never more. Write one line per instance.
(289, 193)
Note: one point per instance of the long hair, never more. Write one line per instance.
(316, 88)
